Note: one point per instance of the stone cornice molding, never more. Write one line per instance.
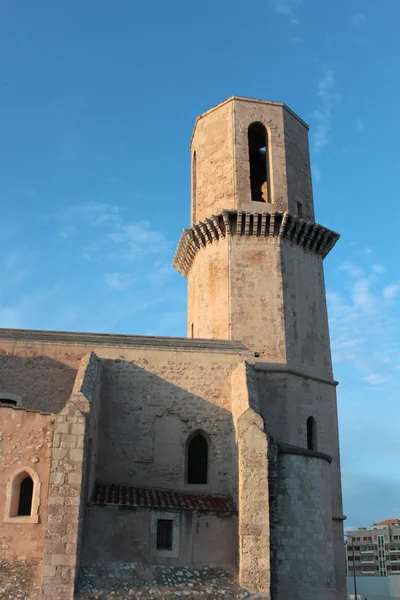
(289, 449)
(283, 368)
(311, 236)
(109, 340)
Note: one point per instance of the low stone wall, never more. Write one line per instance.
(123, 534)
(131, 581)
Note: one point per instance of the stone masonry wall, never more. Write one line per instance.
(68, 484)
(256, 296)
(253, 489)
(119, 534)
(212, 142)
(306, 317)
(241, 297)
(208, 293)
(151, 402)
(61, 542)
(25, 442)
(220, 141)
(286, 402)
(302, 533)
(298, 168)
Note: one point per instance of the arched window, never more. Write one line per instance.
(197, 459)
(311, 434)
(259, 163)
(25, 497)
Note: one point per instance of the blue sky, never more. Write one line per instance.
(97, 104)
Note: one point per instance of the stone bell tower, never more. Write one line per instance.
(252, 225)
(253, 259)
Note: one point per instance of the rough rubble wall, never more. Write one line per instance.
(150, 403)
(208, 293)
(212, 142)
(205, 538)
(25, 441)
(302, 532)
(253, 490)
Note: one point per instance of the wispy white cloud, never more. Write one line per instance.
(68, 231)
(327, 86)
(119, 281)
(329, 96)
(378, 268)
(97, 213)
(352, 269)
(287, 8)
(120, 237)
(375, 379)
(316, 172)
(364, 322)
(360, 124)
(118, 251)
(363, 298)
(390, 291)
(134, 238)
(358, 20)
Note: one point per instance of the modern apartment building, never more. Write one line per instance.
(374, 551)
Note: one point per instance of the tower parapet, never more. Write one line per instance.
(311, 236)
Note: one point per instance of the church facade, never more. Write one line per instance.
(220, 448)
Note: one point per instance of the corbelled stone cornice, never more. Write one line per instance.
(311, 236)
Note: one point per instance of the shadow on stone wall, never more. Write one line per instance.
(43, 383)
(146, 419)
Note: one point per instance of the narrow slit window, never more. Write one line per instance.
(299, 209)
(197, 460)
(259, 163)
(164, 534)
(311, 434)
(25, 497)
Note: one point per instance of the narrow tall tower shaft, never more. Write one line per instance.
(253, 255)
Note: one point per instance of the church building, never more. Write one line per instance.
(220, 448)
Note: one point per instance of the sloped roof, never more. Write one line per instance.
(389, 522)
(127, 495)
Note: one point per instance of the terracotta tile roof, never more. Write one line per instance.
(389, 522)
(127, 495)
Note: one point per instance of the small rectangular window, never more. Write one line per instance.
(164, 534)
(299, 209)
